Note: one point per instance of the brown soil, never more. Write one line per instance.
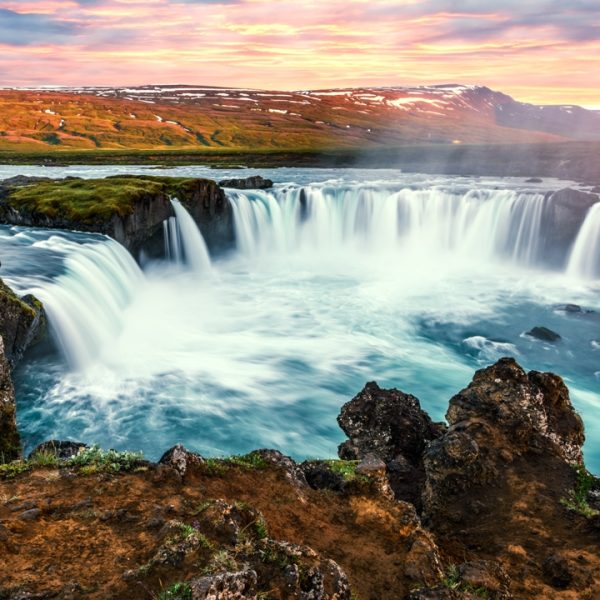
(92, 529)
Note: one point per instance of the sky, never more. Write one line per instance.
(541, 51)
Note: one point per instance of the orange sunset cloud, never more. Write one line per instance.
(542, 51)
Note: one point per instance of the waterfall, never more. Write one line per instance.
(184, 243)
(86, 303)
(585, 256)
(475, 223)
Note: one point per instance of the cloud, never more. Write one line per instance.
(33, 29)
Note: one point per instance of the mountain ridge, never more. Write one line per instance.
(180, 116)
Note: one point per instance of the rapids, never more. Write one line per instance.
(413, 281)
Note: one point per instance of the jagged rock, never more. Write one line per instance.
(256, 182)
(225, 586)
(22, 322)
(486, 575)
(375, 469)
(385, 423)
(504, 413)
(180, 459)
(422, 562)
(544, 334)
(63, 450)
(298, 570)
(293, 472)
(226, 522)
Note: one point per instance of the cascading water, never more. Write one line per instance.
(477, 223)
(415, 283)
(184, 243)
(585, 256)
(85, 304)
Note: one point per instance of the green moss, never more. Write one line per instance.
(253, 460)
(12, 469)
(347, 469)
(95, 460)
(91, 201)
(177, 591)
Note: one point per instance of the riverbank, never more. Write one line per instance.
(566, 160)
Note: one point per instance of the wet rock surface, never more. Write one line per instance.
(544, 334)
(255, 182)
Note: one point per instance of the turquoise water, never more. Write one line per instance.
(265, 348)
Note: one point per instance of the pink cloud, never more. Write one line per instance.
(318, 43)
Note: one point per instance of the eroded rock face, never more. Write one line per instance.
(10, 442)
(22, 322)
(225, 586)
(503, 414)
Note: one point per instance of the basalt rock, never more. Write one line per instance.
(544, 334)
(385, 423)
(503, 415)
(10, 442)
(180, 459)
(390, 425)
(255, 182)
(240, 585)
(22, 322)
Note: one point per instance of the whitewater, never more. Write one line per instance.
(337, 278)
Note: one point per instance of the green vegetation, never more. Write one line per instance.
(95, 460)
(453, 581)
(177, 591)
(95, 200)
(253, 460)
(12, 469)
(577, 500)
(347, 469)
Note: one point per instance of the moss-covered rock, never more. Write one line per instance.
(128, 208)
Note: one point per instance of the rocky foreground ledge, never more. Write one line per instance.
(495, 505)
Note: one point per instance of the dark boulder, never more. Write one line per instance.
(256, 182)
(504, 413)
(534, 180)
(386, 423)
(544, 334)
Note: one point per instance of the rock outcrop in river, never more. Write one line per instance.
(503, 509)
(130, 209)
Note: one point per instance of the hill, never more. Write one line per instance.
(213, 120)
